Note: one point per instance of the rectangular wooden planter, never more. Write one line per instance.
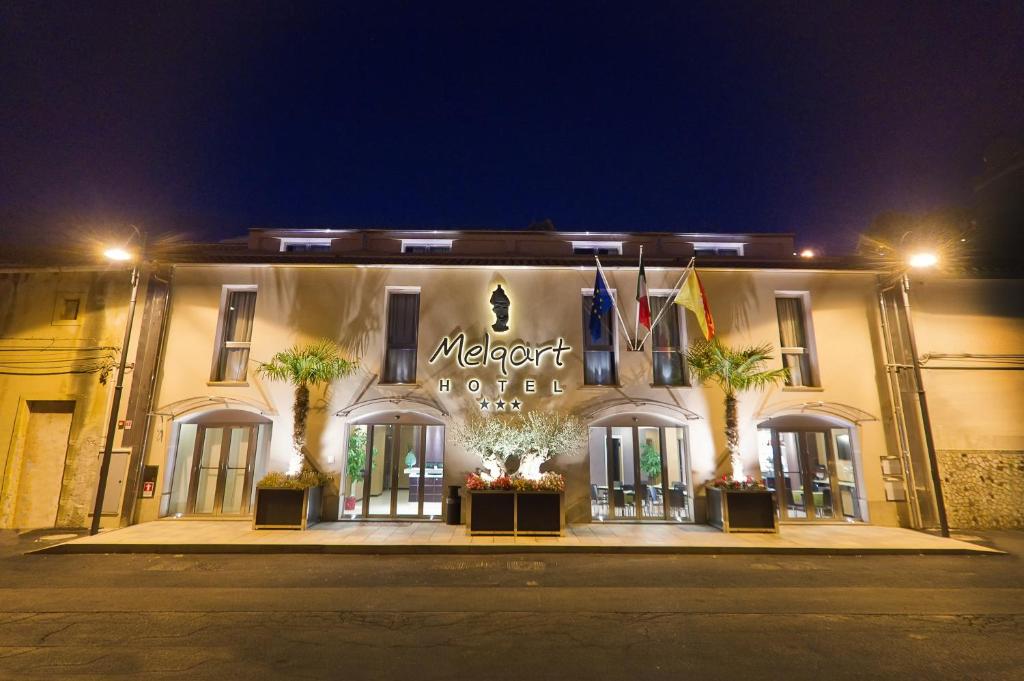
(737, 510)
(507, 512)
(286, 509)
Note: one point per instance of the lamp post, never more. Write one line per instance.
(117, 254)
(923, 260)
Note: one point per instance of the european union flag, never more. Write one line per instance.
(599, 307)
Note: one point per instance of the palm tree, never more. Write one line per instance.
(734, 370)
(313, 364)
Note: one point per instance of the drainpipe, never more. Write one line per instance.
(933, 460)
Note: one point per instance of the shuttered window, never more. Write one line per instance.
(599, 354)
(402, 331)
(667, 348)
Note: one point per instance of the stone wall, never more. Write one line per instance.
(983, 488)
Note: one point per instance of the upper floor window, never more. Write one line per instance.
(795, 341)
(305, 245)
(402, 331)
(67, 309)
(597, 248)
(718, 248)
(598, 354)
(426, 245)
(667, 347)
(234, 335)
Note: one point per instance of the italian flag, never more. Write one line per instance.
(693, 298)
(643, 300)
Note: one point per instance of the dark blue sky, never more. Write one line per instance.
(212, 117)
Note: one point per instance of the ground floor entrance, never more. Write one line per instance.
(214, 465)
(640, 473)
(810, 465)
(394, 471)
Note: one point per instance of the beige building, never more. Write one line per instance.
(418, 310)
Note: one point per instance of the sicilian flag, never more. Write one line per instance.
(599, 306)
(643, 308)
(693, 298)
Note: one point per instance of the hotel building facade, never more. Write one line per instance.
(841, 442)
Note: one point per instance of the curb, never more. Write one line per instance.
(71, 548)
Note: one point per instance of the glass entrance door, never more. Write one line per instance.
(395, 471)
(222, 472)
(639, 473)
(810, 471)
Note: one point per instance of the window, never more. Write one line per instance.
(667, 349)
(235, 335)
(305, 245)
(598, 355)
(307, 248)
(718, 248)
(426, 245)
(67, 307)
(794, 340)
(403, 325)
(597, 248)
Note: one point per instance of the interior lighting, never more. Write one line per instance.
(923, 260)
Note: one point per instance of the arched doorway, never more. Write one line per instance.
(394, 467)
(640, 469)
(810, 462)
(214, 462)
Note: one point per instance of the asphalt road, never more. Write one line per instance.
(511, 617)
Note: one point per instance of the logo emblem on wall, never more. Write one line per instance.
(489, 353)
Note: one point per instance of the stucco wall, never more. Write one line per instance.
(34, 343)
(347, 303)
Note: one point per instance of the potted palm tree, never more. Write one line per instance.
(292, 499)
(735, 503)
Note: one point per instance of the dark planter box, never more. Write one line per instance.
(286, 509)
(735, 510)
(516, 513)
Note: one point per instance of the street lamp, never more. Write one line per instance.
(117, 254)
(923, 260)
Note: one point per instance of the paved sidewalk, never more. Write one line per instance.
(236, 536)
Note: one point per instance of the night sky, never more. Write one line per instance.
(212, 117)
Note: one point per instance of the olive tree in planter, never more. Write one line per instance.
(736, 370)
(513, 496)
(309, 365)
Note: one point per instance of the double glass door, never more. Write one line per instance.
(394, 470)
(811, 473)
(222, 470)
(640, 473)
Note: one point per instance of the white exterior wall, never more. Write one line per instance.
(347, 303)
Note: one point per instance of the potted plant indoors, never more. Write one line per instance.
(511, 495)
(292, 499)
(736, 370)
(355, 467)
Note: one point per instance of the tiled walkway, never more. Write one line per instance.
(226, 536)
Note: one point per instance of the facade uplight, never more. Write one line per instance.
(923, 260)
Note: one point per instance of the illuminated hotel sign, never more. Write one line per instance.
(489, 353)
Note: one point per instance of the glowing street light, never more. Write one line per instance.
(923, 260)
(807, 253)
(117, 253)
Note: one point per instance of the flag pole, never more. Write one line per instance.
(671, 297)
(615, 303)
(636, 318)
